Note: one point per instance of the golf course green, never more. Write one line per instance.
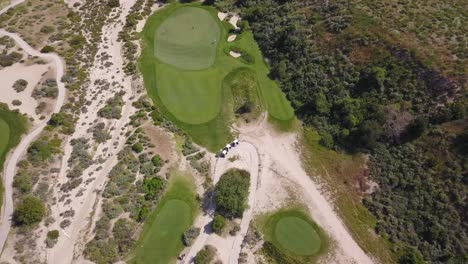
(293, 236)
(297, 236)
(161, 239)
(185, 62)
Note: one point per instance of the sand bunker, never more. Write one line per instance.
(222, 15)
(235, 54)
(232, 38)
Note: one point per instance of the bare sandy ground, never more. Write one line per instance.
(71, 244)
(32, 74)
(12, 160)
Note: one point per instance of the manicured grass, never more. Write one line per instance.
(337, 169)
(294, 236)
(4, 135)
(161, 239)
(297, 236)
(196, 100)
(187, 39)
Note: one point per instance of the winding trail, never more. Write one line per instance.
(12, 160)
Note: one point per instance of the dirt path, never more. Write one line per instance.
(12, 160)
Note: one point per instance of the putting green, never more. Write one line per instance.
(4, 136)
(187, 39)
(297, 236)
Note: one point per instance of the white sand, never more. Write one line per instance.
(232, 38)
(32, 74)
(222, 15)
(234, 54)
(233, 20)
(12, 160)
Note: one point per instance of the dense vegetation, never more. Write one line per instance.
(375, 78)
(231, 193)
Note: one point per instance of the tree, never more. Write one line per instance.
(231, 193)
(29, 211)
(218, 224)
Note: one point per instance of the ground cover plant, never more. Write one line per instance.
(162, 237)
(291, 236)
(184, 75)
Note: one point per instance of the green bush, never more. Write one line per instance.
(206, 255)
(53, 234)
(30, 210)
(231, 193)
(47, 49)
(152, 187)
(137, 147)
(218, 224)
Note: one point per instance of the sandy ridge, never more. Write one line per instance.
(12, 160)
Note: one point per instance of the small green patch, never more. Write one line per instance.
(292, 237)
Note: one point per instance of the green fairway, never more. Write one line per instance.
(187, 39)
(292, 236)
(297, 236)
(4, 136)
(185, 62)
(161, 241)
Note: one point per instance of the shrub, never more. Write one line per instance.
(123, 232)
(47, 29)
(156, 160)
(20, 85)
(206, 255)
(231, 193)
(47, 49)
(137, 147)
(218, 224)
(190, 235)
(16, 102)
(52, 237)
(152, 187)
(29, 211)
(23, 181)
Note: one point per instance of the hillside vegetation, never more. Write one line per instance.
(382, 78)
